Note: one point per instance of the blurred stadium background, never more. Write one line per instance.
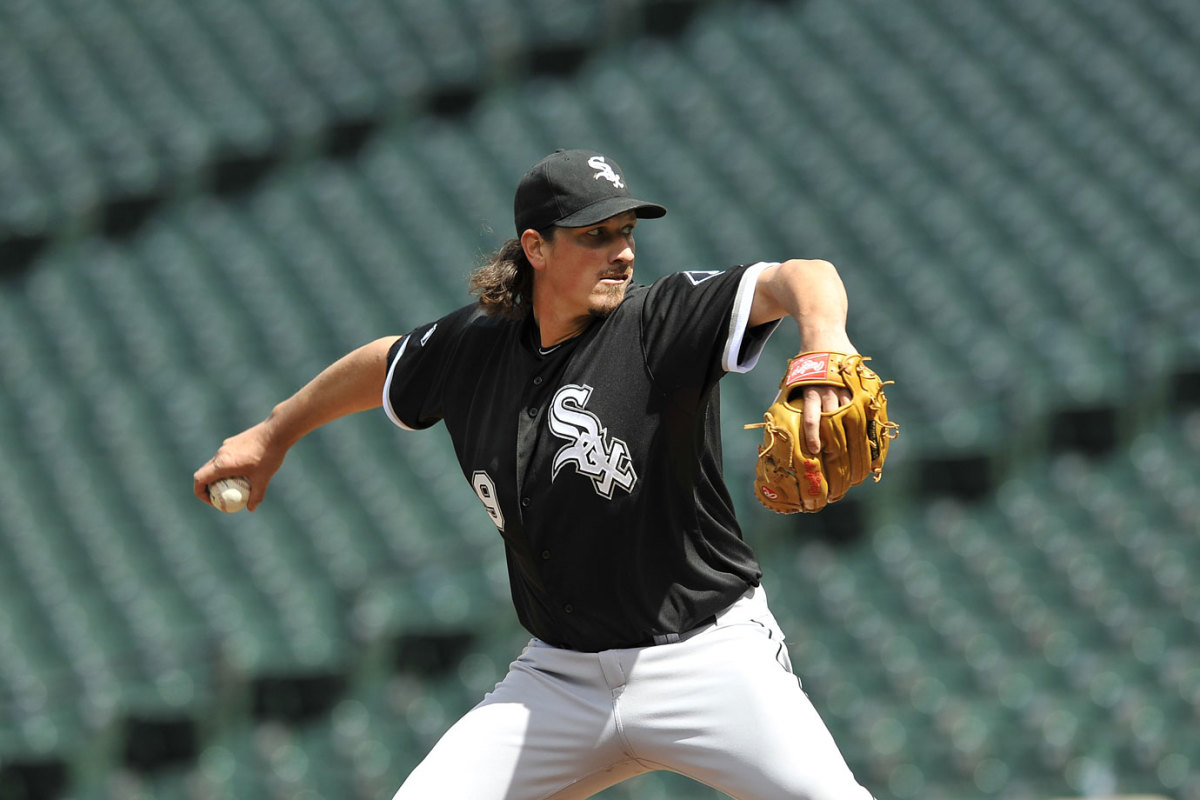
(203, 203)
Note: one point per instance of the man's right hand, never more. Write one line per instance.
(247, 454)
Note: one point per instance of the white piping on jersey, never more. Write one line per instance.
(387, 386)
(739, 318)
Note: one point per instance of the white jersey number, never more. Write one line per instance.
(485, 487)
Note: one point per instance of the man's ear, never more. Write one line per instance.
(533, 243)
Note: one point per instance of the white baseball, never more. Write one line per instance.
(229, 494)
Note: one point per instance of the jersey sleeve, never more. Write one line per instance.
(417, 363)
(702, 317)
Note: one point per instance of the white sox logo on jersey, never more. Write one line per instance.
(605, 170)
(605, 461)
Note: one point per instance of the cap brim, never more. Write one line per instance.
(610, 207)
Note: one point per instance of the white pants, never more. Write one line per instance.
(722, 707)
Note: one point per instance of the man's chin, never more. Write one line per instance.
(606, 302)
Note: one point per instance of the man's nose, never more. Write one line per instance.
(624, 253)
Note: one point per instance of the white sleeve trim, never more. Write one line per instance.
(387, 387)
(732, 359)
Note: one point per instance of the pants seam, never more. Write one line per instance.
(581, 778)
(619, 726)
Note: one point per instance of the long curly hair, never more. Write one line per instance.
(503, 283)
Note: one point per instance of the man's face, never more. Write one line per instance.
(588, 269)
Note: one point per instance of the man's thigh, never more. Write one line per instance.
(546, 731)
(724, 708)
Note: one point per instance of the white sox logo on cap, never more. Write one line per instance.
(605, 170)
(596, 456)
(573, 189)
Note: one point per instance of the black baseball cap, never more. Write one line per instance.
(574, 188)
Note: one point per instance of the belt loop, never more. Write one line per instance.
(666, 638)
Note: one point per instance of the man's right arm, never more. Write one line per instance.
(351, 384)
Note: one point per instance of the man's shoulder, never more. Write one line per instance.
(466, 326)
(472, 317)
(693, 278)
(691, 283)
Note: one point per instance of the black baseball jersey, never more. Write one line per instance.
(599, 459)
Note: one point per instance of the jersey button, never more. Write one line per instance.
(538, 380)
(545, 555)
(568, 608)
(524, 502)
(532, 411)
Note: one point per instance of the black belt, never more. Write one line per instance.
(674, 638)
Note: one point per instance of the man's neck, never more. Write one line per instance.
(547, 338)
(552, 330)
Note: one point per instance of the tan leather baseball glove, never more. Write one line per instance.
(854, 438)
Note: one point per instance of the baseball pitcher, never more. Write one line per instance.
(584, 411)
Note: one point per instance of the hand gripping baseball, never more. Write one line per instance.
(854, 437)
(246, 455)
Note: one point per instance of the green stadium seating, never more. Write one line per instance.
(202, 204)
